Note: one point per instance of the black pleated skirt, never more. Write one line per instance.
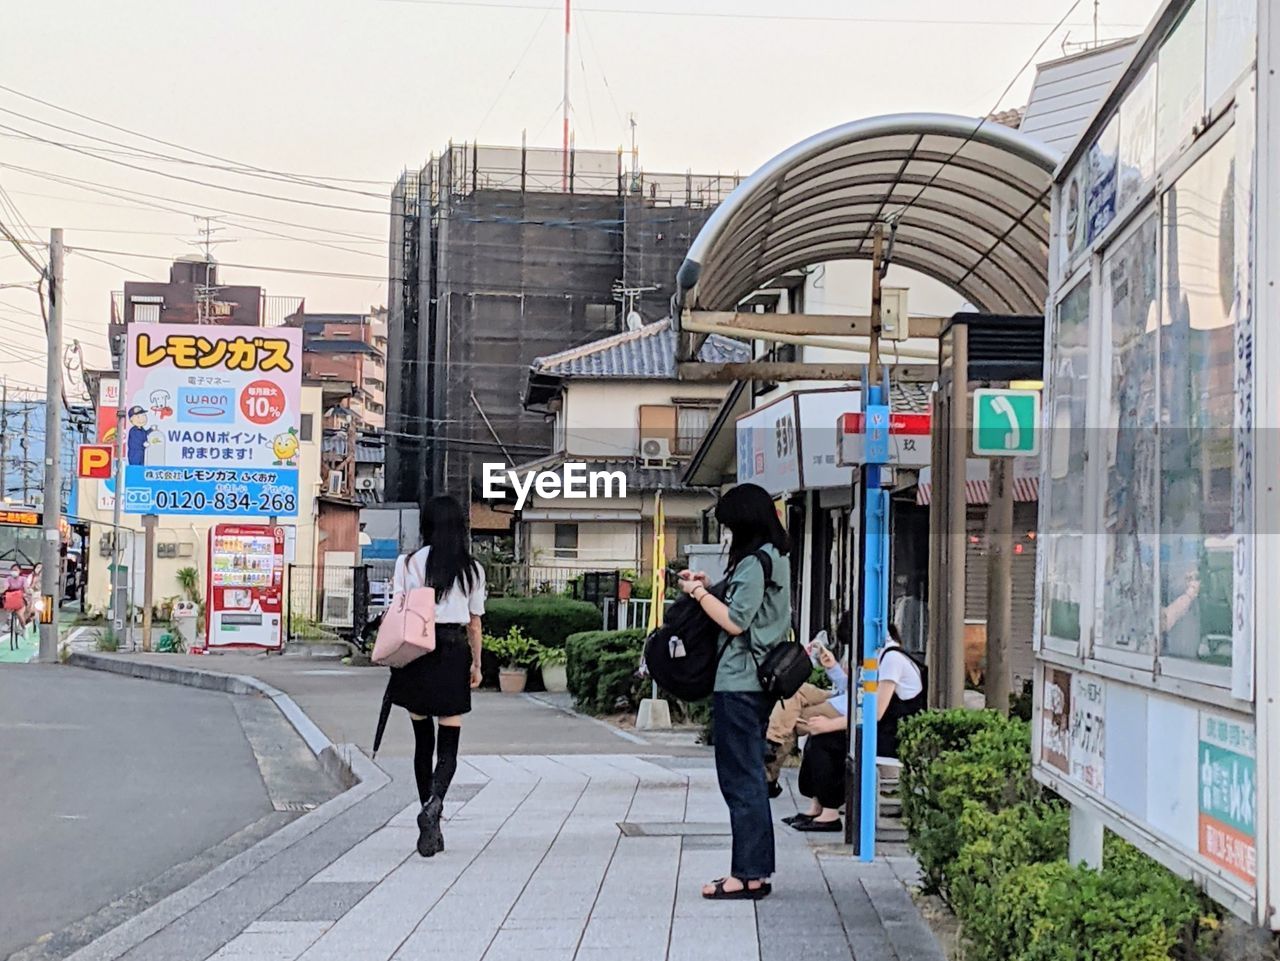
(437, 684)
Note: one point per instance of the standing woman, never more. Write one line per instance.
(437, 686)
(754, 616)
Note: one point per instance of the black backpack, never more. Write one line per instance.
(683, 653)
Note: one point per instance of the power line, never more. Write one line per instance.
(981, 123)
(191, 180)
(715, 15)
(191, 150)
(514, 70)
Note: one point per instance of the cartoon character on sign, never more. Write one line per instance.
(285, 447)
(160, 404)
(141, 439)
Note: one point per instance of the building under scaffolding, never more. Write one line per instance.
(498, 258)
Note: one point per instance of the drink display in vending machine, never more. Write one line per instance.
(246, 586)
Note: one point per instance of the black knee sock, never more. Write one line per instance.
(446, 760)
(424, 747)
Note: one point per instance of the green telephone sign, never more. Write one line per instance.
(1006, 422)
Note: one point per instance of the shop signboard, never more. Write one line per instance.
(909, 439)
(108, 412)
(212, 420)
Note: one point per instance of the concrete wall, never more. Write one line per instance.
(602, 418)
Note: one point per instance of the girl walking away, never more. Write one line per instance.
(436, 688)
(754, 616)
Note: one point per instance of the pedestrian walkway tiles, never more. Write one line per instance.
(538, 868)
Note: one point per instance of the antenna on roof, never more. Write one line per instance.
(634, 320)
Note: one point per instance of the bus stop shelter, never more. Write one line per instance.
(960, 200)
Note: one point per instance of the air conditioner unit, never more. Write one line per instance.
(334, 488)
(337, 609)
(655, 451)
(366, 483)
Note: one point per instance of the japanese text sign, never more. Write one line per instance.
(212, 420)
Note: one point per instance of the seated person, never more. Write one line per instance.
(789, 720)
(901, 692)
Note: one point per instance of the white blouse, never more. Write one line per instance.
(454, 606)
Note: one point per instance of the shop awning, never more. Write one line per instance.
(967, 201)
(1025, 490)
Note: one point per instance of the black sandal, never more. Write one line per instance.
(747, 893)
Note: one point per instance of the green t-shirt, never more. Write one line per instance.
(764, 613)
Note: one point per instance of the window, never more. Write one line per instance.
(1130, 276)
(566, 540)
(1197, 410)
(307, 426)
(1063, 514)
(1180, 84)
(692, 424)
(146, 313)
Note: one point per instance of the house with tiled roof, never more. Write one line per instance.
(617, 406)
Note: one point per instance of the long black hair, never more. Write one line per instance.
(444, 530)
(748, 512)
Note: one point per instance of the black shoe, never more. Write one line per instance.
(430, 840)
(819, 827)
(797, 819)
(775, 790)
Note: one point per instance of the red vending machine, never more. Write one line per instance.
(246, 586)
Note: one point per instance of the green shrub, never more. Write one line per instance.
(1133, 910)
(593, 653)
(995, 843)
(549, 619)
(931, 802)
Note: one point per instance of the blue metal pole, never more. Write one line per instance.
(875, 593)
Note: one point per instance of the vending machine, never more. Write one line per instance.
(246, 586)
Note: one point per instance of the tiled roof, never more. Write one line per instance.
(647, 353)
(909, 398)
(1009, 118)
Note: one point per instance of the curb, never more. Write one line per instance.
(368, 777)
(337, 764)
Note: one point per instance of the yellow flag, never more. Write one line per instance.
(657, 597)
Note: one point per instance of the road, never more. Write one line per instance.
(344, 702)
(107, 782)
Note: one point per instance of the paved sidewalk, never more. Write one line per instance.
(549, 858)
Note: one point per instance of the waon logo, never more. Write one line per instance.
(94, 462)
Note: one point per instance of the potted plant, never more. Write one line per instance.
(626, 580)
(554, 661)
(515, 652)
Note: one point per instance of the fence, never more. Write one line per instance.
(523, 580)
(326, 603)
(629, 615)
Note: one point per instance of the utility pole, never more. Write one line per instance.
(999, 584)
(877, 252)
(119, 593)
(4, 439)
(564, 183)
(52, 559)
(25, 446)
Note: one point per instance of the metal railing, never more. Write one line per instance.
(326, 603)
(629, 615)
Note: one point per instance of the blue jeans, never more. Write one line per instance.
(741, 719)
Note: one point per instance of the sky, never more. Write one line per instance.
(347, 93)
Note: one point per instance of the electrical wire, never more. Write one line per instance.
(199, 183)
(897, 215)
(716, 15)
(514, 70)
(176, 146)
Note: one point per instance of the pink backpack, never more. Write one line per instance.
(408, 628)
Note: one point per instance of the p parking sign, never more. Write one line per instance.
(1006, 422)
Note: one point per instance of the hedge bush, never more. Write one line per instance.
(994, 843)
(601, 669)
(548, 619)
(950, 758)
(1132, 910)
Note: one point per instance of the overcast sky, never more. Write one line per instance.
(360, 89)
